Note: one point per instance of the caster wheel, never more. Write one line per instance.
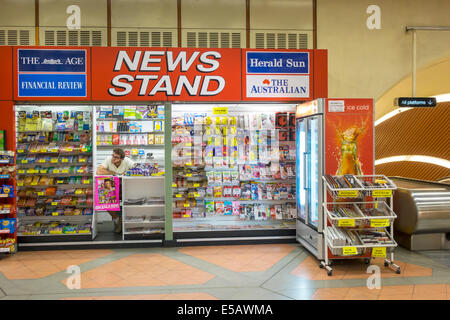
(397, 271)
(386, 264)
(366, 261)
(330, 273)
(321, 266)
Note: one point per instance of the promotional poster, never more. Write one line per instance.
(107, 193)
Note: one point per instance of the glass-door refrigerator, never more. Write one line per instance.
(330, 133)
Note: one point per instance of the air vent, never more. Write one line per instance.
(270, 40)
(270, 37)
(24, 37)
(12, 37)
(143, 39)
(211, 39)
(156, 39)
(191, 39)
(214, 40)
(72, 38)
(2, 38)
(224, 40)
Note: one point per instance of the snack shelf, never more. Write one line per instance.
(53, 234)
(144, 177)
(54, 164)
(62, 153)
(76, 186)
(126, 132)
(125, 120)
(56, 206)
(62, 131)
(52, 217)
(151, 231)
(48, 143)
(144, 206)
(144, 222)
(64, 174)
(363, 224)
(155, 146)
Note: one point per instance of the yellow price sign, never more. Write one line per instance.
(59, 181)
(33, 183)
(218, 132)
(54, 203)
(196, 195)
(178, 195)
(82, 160)
(196, 185)
(381, 193)
(54, 150)
(54, 160)
(189, 144)
(349, 251)
(346, 223)
(21, 171)
(220, 110)
(65, 160)
(84, 231)
(20, 183)
(84, 149)
(40, 193)
(55, 232)
(186, 205)
(24, 161)
(43, 171)
(208, 131)
(54, 214)
(41, 160)
(174, 185)
(56, 171)
(348, 193)
(86, 181)
(33, 151)
(80, 170)
(188, 174)
(65, 170)
(189, 164)
(188, 154)
(20, 151)
(379, 223)
(379, 252)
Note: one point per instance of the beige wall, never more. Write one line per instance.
(53, 12)
(8, 8)
(144, 13)
(368, 63)
(281, 14)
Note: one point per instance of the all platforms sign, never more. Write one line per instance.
(277, 75)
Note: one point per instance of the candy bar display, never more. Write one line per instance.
(53, 228)
(54, 166)
(236, 167)
(8, 214)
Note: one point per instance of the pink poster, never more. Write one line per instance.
(107, 193)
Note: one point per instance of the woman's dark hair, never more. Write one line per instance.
(120, 152)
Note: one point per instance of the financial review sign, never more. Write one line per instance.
(52, 73)
(277, 74)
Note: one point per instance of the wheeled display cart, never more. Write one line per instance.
(358, 223)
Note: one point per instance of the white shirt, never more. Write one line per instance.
(126, 164)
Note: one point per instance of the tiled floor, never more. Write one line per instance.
(266, 272)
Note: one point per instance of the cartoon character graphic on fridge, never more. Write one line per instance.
(334, 136)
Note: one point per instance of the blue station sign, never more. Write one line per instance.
(277, 62)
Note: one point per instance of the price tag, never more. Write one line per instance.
(84, 231)
(220, 110)
(217, 142)
(379, 223)
(82, 160)
(59, 181)
(188, 174)
(30, 171)
(70, 232)
(40, 193)
(33, 150)
(186, 205)
(174, 185)
(78, 191)
(178, 195)
(348, 193)
(21, 171)
(196, 195)
(55, 214)
(381, 193)
(20, 151)
(34, 183)
(56, 171)
(233, 130)
(208, 131)
(379, 252)
(86, 181)
(218, 131)
(84, 149)
(43, 150)
(43, 171)
(54, 203)
(346, 223)
(55, 232)
(188, 154)
(196, 185)
(65, 160)
(80, 170)
(24, 161)
(20, 183)
(189, 163)
(189, 144)
(54, 150)
(69, 149)
(41, 160)
(349, 251)
(65, 170)
(54, 160)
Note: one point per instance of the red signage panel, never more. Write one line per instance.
(6, 74)
(349, 136)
